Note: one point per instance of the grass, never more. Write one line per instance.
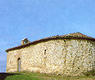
(38, 76)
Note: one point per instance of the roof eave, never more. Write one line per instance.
(46, 39)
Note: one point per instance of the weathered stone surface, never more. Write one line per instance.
(66, 57)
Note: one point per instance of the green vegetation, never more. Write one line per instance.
(38, 76)
(90, 73)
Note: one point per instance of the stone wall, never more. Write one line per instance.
(67, 57)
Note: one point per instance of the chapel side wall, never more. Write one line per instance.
(40, 57)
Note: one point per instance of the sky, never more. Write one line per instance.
(36, 19)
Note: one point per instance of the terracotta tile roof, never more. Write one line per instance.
(77, 35)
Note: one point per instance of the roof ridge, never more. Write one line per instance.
(77, 34)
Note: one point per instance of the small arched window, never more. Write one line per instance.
(45, 52)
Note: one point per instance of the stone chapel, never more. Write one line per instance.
(70, 54)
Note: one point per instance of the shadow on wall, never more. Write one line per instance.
(3, 76)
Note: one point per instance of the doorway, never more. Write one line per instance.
(18, 64)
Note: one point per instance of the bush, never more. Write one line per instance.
(90, 73)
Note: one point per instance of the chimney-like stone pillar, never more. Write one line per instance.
(25, 41)
(22, 42)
